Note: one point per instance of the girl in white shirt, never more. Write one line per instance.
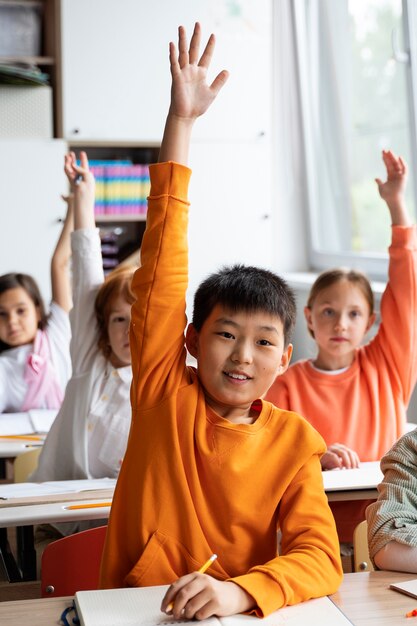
(35, 363)
(89, 435)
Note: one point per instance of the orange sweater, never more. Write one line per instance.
(365, 406)
(193, 483)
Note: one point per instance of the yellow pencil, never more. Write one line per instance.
(27, 437)
(202, 569)
(90, 505)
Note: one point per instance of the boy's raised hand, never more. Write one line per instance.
(82, 185)
(191, 95)
(393, 189)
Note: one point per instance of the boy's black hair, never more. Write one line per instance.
(14, 280)
(246, 288)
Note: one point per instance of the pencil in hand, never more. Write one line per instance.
(201, 570)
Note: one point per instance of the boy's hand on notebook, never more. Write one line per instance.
(199, 596)
(339, 456)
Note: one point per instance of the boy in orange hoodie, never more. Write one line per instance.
(210, 467)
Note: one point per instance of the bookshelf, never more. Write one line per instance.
(110, 86)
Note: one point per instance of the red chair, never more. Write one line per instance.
(73, 563)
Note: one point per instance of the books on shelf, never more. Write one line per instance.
(121, 187)
(141, 605)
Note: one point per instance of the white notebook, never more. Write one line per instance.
(409, 587)
(140, 606)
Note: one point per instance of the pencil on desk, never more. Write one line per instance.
(202, 569)
(27, 437)
(90, 505)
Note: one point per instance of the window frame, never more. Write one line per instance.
(374, 264)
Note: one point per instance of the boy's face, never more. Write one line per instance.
(239, 355)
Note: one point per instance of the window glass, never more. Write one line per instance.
(379, 114)
(356, 102)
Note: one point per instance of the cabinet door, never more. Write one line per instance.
(32, 179)
(230, 213)
(115, 67)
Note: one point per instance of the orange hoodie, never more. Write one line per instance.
(192, 483)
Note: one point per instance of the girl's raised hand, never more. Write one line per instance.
(82, 185)
(191, 95)
(393, 189)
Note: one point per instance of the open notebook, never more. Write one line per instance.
(140, 606)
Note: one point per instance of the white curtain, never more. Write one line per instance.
(322, 49)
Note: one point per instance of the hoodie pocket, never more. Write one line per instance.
(163, 561)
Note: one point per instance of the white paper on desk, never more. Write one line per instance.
(34, 421)
(409, 587)
(15, 424)
(140, 606)
(84, 484)
(367, 476)
(24, 490)
(42, 419)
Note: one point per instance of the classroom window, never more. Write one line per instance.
(358, 96)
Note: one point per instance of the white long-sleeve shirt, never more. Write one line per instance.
(89, 435)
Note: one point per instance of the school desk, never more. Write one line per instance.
(10, 449)
(363, 597)
(353, 484)
(24, 512)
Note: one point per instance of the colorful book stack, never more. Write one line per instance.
(121, 187)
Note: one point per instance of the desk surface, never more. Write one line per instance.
(32, 514)
(363, 597)
(11, 448)
(353, 484)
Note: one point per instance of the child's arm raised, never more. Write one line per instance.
(194, 595)
(87, 265)
(393, 189)
(83, 188)
(191, 96)
(60, 280)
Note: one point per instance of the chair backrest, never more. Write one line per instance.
(73, 563)
(361, 559)
(25, 464)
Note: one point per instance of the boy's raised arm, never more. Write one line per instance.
(191, 95)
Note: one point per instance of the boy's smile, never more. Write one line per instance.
(239, 355)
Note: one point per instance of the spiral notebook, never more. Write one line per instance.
(140, 606)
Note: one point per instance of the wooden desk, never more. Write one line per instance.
(353, 484)
(363, 597)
